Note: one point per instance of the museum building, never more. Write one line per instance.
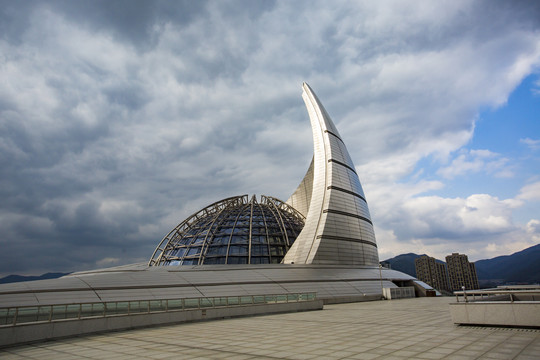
(320, 241)
(325, 221)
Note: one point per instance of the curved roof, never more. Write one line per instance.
(142, 282)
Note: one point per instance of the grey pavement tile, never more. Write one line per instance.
(364, 356)
(217, 355)
(8, 356)
(393, 346)
(458, 357)
(529, 350)
(468, 353)
(321, 352)
(482, 347)
(494, 356)
(415, 328)
(339, 354)
(376, 344)
(419, 347)
(406, 353)
(442, 351)
(381, 351)
(359, 348)
(451, 346)
(526, 357)
(428, 355)
(118, 356)
(302, 356)
(26, 351)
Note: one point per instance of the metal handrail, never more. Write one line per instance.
(17, 315)
(489, 293)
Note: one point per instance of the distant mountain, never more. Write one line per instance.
(520, 267)
(403, 263)
(18, 278)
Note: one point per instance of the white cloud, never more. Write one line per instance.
(531, 143)
(431, 216)
(533, 229)
(536, 89)
(479, 225)
(107, 262)
(530, 192)
(475, 161)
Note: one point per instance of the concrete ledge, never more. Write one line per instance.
(350, 299)
(31, 332)
(497, 313)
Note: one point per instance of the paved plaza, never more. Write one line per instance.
(400, 329)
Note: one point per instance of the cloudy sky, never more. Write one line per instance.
(120, 118)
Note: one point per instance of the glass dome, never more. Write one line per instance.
(232, 231)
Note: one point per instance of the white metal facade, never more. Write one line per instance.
(338, 228)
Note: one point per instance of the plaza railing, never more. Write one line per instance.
(496, 295)
(18, 315)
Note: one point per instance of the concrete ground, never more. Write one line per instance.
(399, 329)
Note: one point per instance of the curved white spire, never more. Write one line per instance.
(338, 228)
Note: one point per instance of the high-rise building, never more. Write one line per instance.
(461, 272)
(432, 272)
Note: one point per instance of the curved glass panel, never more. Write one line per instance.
(232, 231)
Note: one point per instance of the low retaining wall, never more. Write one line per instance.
(498, 313)
(350, 299)
(30, 332)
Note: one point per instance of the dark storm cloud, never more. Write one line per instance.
(14, 19)
(129, 20)
(120, 118)
(90, 155)
(139, 22)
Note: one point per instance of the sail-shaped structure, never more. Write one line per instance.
(338, 228)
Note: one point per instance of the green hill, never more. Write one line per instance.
(520, 267)
(18, 278)
(403, 263)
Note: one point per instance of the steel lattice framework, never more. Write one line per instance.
(236, 230)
